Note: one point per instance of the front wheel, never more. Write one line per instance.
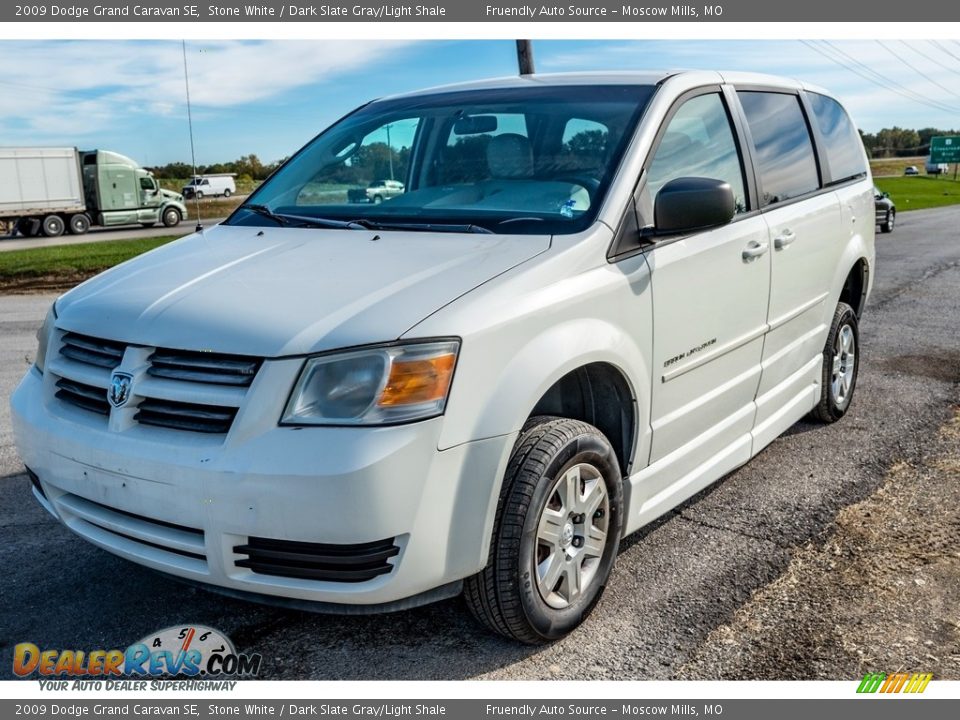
(841, 363)
(556, 533)
(171, 217)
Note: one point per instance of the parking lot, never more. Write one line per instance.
(678, 585)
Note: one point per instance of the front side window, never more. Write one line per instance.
(698, 142)
(841, 140)
(781, 137)
(533, 160)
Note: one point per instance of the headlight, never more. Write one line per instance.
(43, 337)
(374, 386)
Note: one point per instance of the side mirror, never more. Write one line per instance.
(689, 204)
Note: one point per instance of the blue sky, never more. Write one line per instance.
(270, 97)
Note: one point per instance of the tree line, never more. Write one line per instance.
(248, 167)
(901, 142)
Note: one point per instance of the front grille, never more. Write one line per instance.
(203, 367)
(318, 561)
(182, 390)
(185, 416)
(81, 395)
(92, 351)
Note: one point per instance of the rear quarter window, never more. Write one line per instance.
(841, 140)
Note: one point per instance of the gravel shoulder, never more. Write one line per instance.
(882, 594)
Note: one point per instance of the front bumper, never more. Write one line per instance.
(183, 506)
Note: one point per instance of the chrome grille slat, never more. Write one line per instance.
(204, 367)
(185, 416)
(91, 351)
(86, 397)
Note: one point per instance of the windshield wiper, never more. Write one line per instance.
(301, 220)
(422, 227)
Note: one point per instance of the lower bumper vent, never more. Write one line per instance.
(318, 561)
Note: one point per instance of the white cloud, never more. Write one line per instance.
(49, 86)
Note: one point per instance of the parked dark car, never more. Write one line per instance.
(886, 210)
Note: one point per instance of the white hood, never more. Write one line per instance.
(286, 291)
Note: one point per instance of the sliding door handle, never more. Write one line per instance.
(784, 239)
(754, 250)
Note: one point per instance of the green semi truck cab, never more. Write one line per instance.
(121, 192)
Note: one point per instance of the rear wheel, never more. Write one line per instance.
(841, 363)
(53, 226)
(78, 224)
(556, 533)
(227, 193)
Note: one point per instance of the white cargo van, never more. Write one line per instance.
(596, 295)
(210, 186)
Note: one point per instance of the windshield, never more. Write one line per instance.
(516, 160)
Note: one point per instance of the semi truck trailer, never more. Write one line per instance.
(47, 191)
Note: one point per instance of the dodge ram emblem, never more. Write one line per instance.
(119, 391)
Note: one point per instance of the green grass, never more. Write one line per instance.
(920, 191)
(894, 167)
(71, 261)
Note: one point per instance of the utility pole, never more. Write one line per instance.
(525, 57)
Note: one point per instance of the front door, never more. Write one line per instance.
(710, 292)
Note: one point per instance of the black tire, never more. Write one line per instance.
(833, 406)
(377, 199)
(53, 226)
(227, 193)
(506, 596)
(78, 224)
(198, 195)
(171, 217)
(887, 226)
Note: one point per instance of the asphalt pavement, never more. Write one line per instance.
(675, 581)
(102, 234)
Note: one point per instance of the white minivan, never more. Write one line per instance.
(597, 295)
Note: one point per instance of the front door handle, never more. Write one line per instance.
(784, 239)
(754, 250)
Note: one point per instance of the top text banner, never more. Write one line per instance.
(613, 11)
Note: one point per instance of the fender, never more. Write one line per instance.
(505, 407)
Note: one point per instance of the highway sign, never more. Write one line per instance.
(945, 149)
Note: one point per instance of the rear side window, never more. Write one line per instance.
(785, 156)
(841, 140)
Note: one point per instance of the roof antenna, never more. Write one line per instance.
(525, 56)
(193, 155)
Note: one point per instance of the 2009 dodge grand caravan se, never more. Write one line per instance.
(596, 295)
